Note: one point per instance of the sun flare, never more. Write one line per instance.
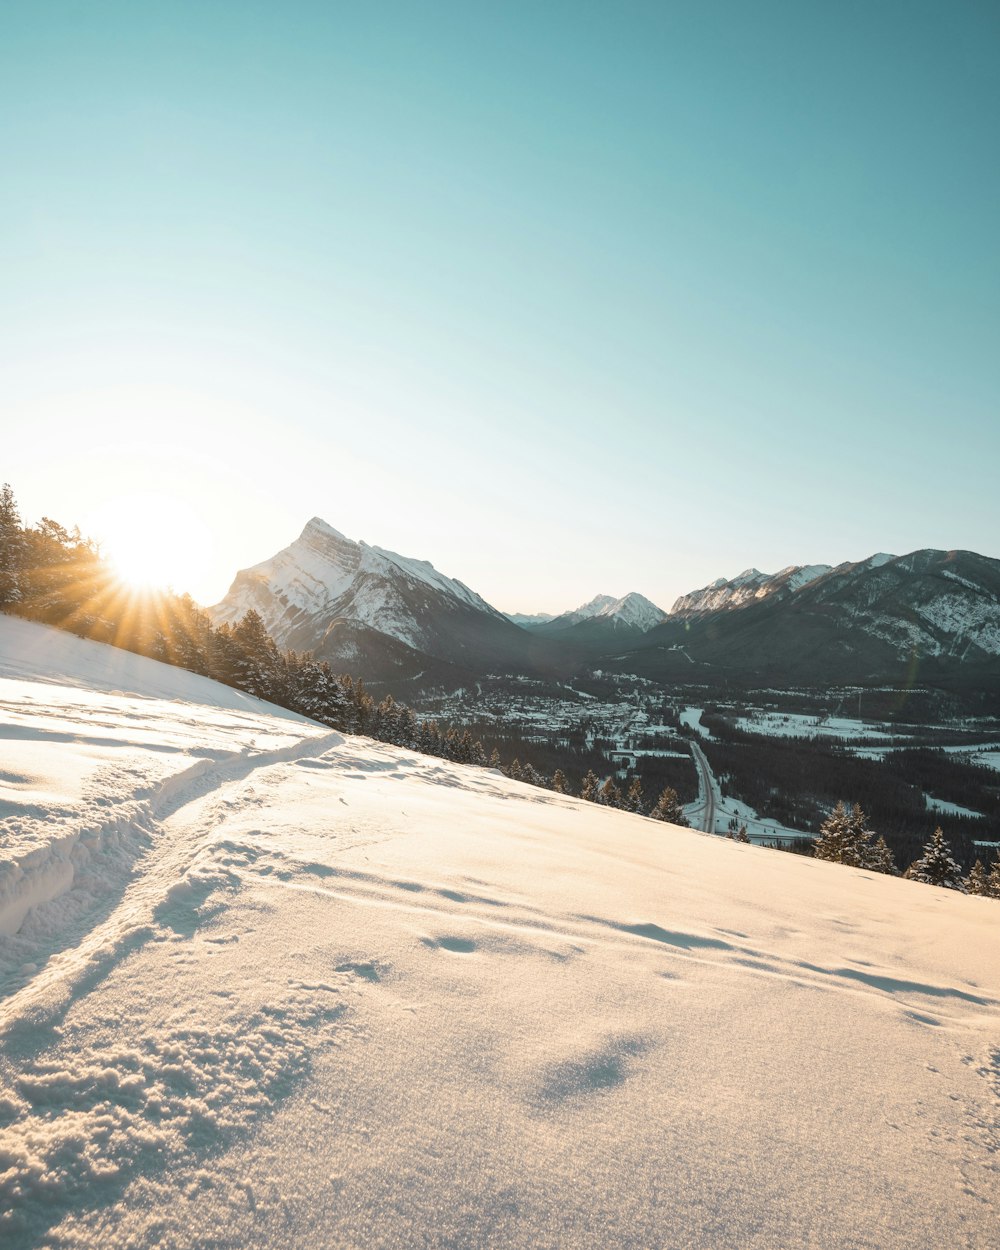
(151, 542)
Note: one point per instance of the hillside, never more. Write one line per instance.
(267, 985)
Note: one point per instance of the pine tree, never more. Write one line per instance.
(994, 879)
(610, 795)
(634, 801)
(879, 857)
(530, 776)
(514, 772)
(668, 808)
(258, 665)
(11, 549)
(590, 787)
(837, 841)
(559, 782)
(408, 728)
(743, 836)
(856, 853)
(977, 881)
(495, 760)
(936, 866)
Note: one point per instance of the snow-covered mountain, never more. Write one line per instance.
(935, 601)
(392, 619)
(605, 615)
(263, 984)
(885, 618)
(385, 615)
(530, 618)
(750, 586)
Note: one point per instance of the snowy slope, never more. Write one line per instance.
(321, 992)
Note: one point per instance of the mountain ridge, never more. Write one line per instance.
(395, 619)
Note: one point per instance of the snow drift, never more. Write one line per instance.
(267, 985)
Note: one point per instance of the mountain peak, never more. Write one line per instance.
(317, 526)
(325, 584)
(632, 611)
(594, 608)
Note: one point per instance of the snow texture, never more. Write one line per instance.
(306, 990)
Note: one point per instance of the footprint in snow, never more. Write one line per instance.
(458, 945)
(367, 972)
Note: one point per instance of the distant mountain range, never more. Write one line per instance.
(930, 615)
(603, 619)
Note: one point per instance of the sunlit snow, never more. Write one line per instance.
(289, 988)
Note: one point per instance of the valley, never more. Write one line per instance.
(876, 682)
(776, 761)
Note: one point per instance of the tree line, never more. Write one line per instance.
(845, 838)
(798, 781)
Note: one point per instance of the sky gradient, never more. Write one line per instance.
(565, 298)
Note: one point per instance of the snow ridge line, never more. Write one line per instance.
(46, 873)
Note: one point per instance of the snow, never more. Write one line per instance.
(950, 809)
(797, 576)
(746, 587)
(803, 725)
(717, 818)
(530, 618)
(321, 992)
(974, 619)
(968, 623)
(424, 571)
(634, 610)
(323, 574)
(593, 608)
(691, 717)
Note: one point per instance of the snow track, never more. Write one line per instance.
(163, 854)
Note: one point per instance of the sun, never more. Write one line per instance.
(152, 542)
(144, 560)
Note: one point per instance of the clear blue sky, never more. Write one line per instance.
(566, 298)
